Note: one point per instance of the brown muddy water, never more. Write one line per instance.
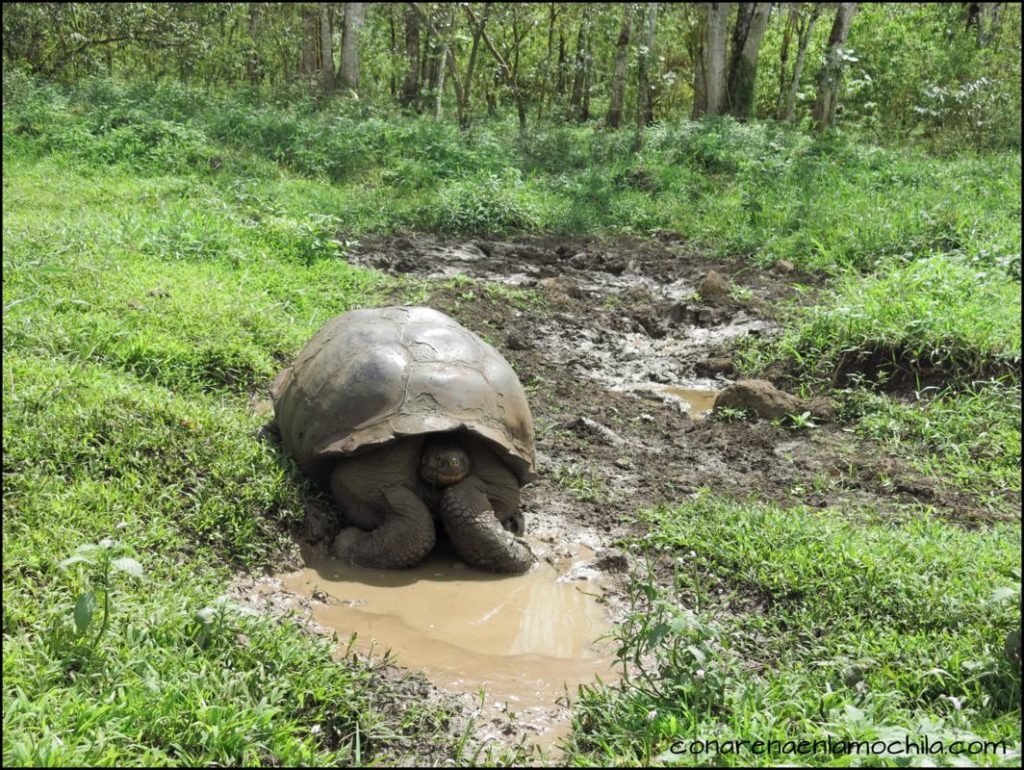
(696, 402)
(526, 639)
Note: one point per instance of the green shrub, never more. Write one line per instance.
(489, 203)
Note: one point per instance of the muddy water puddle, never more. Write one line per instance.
(696, 402)
(526, 639)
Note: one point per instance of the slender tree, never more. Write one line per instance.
(710, 76)
(751, 23)
(354, 16)
(326, 47)
(463, 94)
(545, 72)
(619, 74)
(985, 18)
(580, 68)
(831, 73)
(804, 28)
(411, 84)
(507, 71)
(252, 59)
(439, 33)
(587, 76)
(308, 64)
(560, 83)
(645, 52)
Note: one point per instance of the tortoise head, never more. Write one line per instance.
(443, 463)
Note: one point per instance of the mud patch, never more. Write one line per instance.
(644, 321)
(601, 332)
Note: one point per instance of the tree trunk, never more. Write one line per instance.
(985, 18)
(467, 84)
(803, 39)
(644, 92)
(446, 61)
(830, 76)
(585, 106)
(580, 72)
(710, 93)
(976, 15)
(354, 15)
(787, 39)
(621, 60)
(552, 17)
(411, 86)
(326, 48)
(428, 66)
(517, 40)
(506, 70)
(439, 85)
(560, 83)
(252, 61)
(751, 22)
(308, 64)
(392, 50)
(440, 34)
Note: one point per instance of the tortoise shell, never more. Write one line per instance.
(369, 377)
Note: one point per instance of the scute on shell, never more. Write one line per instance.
(371, 376)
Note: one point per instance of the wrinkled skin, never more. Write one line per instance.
(395, 494)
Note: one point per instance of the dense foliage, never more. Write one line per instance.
(947, 74)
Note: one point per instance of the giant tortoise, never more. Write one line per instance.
(408, 418)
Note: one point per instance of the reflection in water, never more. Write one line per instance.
(526, 638)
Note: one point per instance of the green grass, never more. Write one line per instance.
(757, 190)
(937, 316)
(970, 439)
(795, 624)
(945, 334)
(140, 315)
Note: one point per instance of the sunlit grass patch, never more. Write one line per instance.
(758, 190)
(910, 324)
(792, 624)
(140, 315)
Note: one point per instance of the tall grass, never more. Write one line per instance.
(760, 190)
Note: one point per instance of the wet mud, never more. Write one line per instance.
(621, 358)
(523, 640)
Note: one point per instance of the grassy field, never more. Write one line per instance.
(166, 250)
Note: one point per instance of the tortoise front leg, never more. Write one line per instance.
(476, 533)
(406, 535)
